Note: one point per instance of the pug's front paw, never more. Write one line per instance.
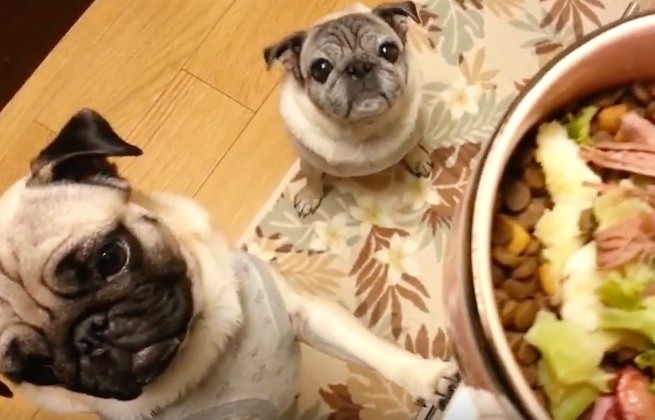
(307, 201)
(418, 162)
(432, 382)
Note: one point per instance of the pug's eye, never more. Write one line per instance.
(320, 70)
(112, 258)
(389, 51)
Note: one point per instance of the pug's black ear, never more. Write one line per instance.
(79, 153)
(287, 51)
(5, 391)
(396, 14)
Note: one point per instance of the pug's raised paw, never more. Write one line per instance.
(418, 162)
(307, 201)
(432, 382)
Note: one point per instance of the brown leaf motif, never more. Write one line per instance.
(451, 172)
(500, 8)
(438, 348)
(572, 12)
(428, 19)
(265, 247)
(340, 401)
(313, 272)
(372, 282)
(521, 84)
(379, 398)
(472, 70)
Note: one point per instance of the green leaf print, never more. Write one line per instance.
(283, 220)
(460, 29)
(470, 128)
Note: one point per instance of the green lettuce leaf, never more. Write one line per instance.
(567, 402)
(641, 321)
(623, 288)
(578, 126)
(573, 354)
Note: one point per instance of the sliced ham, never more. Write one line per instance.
(636, 154)
(605, 408)
(637, 162)
(629, 240)
(637, 129)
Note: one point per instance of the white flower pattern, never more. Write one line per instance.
(331, 235)
(400, 256)
(462, 98)
(421, 192)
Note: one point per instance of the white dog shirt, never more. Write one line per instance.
(256, 377)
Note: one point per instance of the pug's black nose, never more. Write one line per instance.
(359, 69)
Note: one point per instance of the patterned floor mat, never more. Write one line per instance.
(376, 244)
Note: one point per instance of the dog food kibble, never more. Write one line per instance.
(526, 269)
(525, 314)
(534, 177)
(518, 290)
(526, 355)
(507, 313)
(531, 215)
(505, 258)
(498, 275)
(609, 119)
(533, 248)
(501, 234)
(517, 196)
(531, 374)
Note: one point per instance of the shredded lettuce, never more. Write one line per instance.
(567, 402)
(573, 354)
(578, 126)
(640, 321)
(622, 291)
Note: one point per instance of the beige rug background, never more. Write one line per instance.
(376, 245)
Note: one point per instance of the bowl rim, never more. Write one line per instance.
(489, 333)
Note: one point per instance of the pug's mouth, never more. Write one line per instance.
(121, 349)
(367, 105)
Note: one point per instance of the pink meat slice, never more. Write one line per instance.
(636, 154)
(637, 129)
(630, 240)
(605, 408)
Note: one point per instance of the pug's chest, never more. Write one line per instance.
(256, 377)
(348, 156)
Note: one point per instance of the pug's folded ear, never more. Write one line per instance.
(396, 15)
(79, 153)
(5, 391)
(287, 51)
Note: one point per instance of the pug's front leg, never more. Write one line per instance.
(309, 197)
(418, 161)
(328, 328)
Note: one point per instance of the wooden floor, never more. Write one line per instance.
(184, 80)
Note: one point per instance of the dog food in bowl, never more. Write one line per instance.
(573, 257)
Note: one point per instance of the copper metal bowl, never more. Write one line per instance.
(613, 55)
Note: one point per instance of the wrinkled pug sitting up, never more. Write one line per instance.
(351, 97)
(129, 305)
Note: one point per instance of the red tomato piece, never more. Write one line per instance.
(636, 402)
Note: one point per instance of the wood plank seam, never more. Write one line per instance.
(204, 82)
(227, 9)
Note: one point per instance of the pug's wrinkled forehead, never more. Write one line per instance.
(94, 291)
(348, 29)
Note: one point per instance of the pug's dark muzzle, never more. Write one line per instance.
(122, 348)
